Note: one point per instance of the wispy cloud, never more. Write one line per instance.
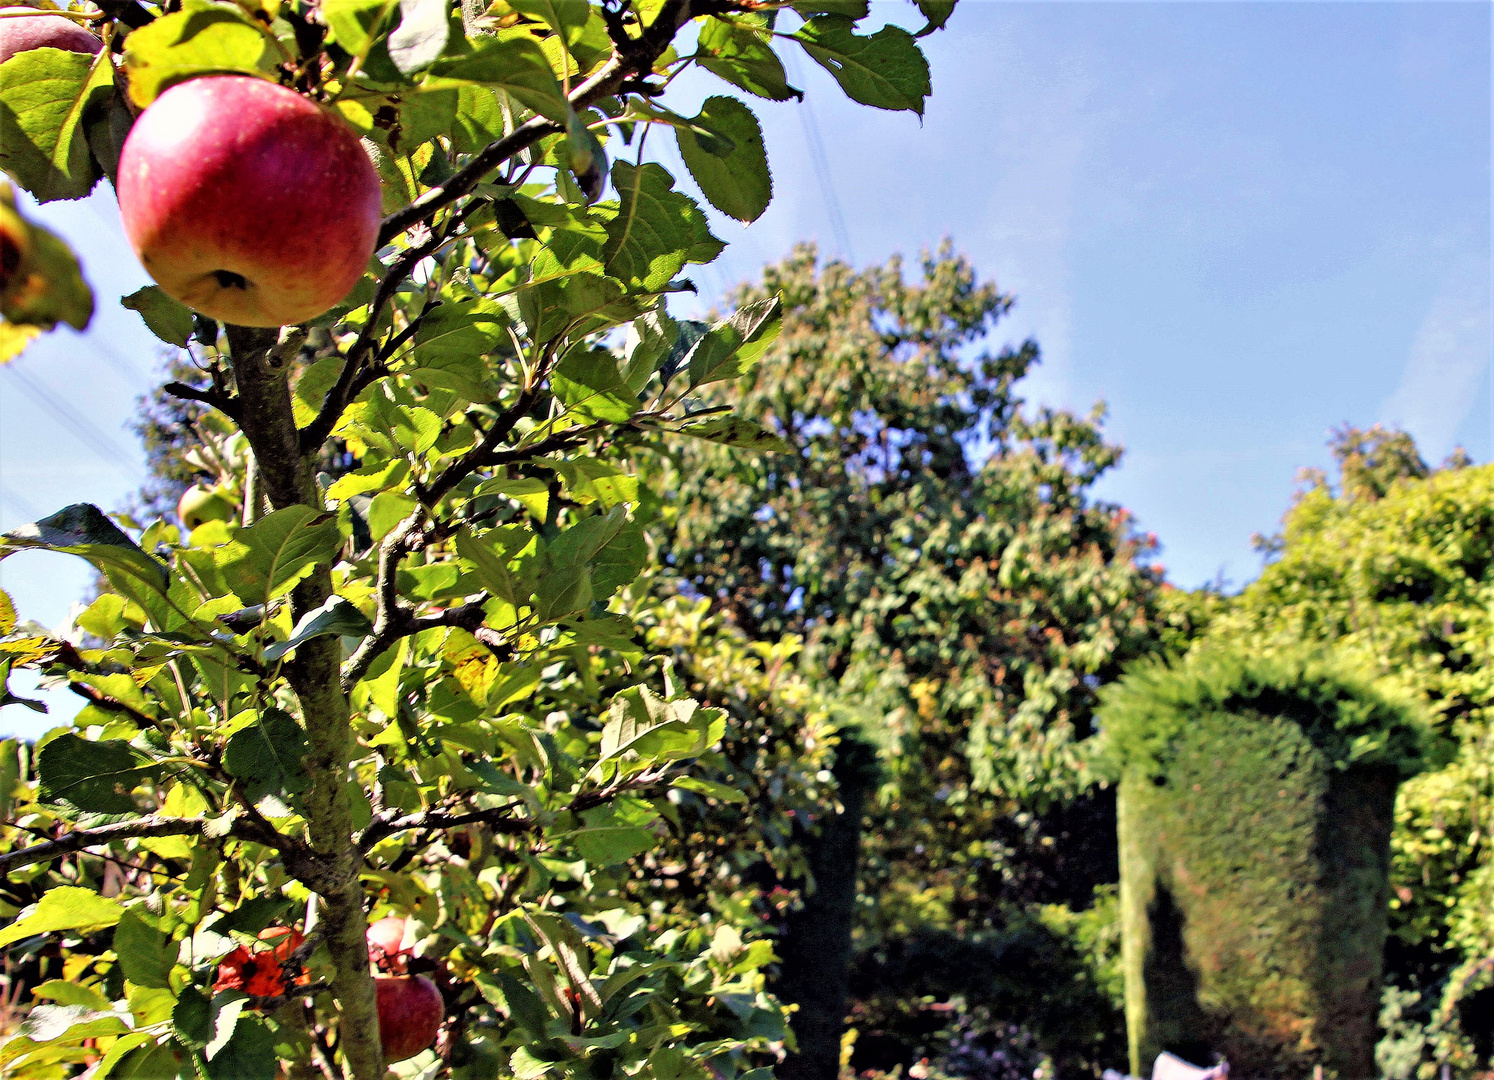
(1448, 362)
(1040, 150)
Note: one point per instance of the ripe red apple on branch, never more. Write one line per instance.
(247, 201)
(410, 1013)
(22, 33)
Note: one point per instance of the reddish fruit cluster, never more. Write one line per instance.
(410, 1006)
(247, 201)
(261, 973)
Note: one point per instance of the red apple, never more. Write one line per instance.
(247, 201)
(386, 943)
(23, 33)
(410, 1014)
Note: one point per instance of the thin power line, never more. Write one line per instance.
(124, 364)
(17, 504)
(821, 165)
(85, 430)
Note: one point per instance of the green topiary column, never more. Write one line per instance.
(1256, 803)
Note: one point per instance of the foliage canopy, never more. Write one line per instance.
(411, 672)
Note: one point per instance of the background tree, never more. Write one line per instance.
(1394, 563)
(960, 592)
(373, 692)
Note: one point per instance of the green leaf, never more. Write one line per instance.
(265, 560)
(248, 1055)
(737, 432)
(96, 776)
(584, 156)
(736, 182)
(610, 845)
(167, 319)
(530, 492)
(63, 907)
(387, 510)
(337, 616)
(886, 70)
(589, 384)
(742, 56)
(592, 480)
(83, 530)
(450, 344)
(355, 22)
(731, 347)
(650, 238)
(46, 98)
(146, 954)
(576, 302)
(491, 553)
(138, 1056)
(375, 477)
(193, 1017)
(62, 1026)
(204, 38)
(44, 285)
(619, 562)
(937, 12)
(515, 65)
(253, 915)
(567, 18)
(643, 729)
(710, 789)
(269, 756)
(70, 993)
(394, 429)
(421, 35)
(524, 1006)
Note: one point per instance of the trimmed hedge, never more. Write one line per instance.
(1256, 803)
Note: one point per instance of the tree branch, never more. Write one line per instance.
(351, 380)
(634, 58)
(500, 817)
(131, 830)
(224, 403)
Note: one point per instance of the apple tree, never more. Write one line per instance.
(374, 685)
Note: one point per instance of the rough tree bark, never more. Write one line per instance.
(260, 369)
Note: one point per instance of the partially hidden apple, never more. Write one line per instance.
(410, 1014)
(22, 33)
(248, 202)
(386, 947)
(200, 504)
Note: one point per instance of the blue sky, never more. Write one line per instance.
(1237, 224)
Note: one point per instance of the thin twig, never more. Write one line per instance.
(345, 389)
(130, 830)
(633, 58)
(224, 403)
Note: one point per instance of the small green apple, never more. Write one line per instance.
(200, 504)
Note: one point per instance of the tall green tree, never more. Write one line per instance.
(1393, 562)
(958, 587)
(373, 692)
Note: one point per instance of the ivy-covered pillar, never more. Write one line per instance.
(1257, 797)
